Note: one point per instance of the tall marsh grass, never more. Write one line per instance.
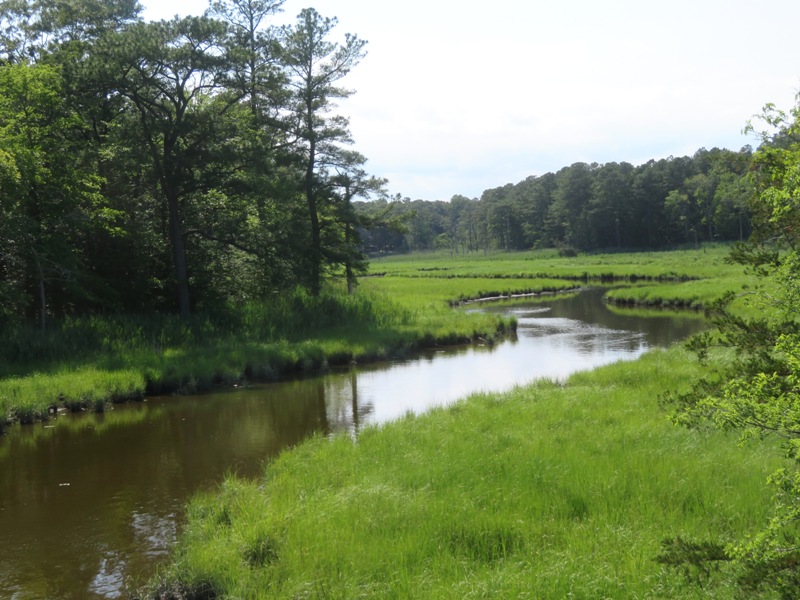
(548, 491)
(708, 261)
(406, 308)
(83, 363)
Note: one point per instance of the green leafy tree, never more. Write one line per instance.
(50, 204)
(388, 224)
(610, 205)
(461, 224)
(758, 395)
(568, 220)
(535, 195)
(12, 271)
(681, 211)
(345, 247)
(253, 50)
(174, 75)
(316, 65)
(31, 30)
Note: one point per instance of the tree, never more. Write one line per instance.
(50, 200)
(610, 204)
(567, 220)
(387, 224)
(12, 295)
(351, 181)
(758, 395)
(174, 74)
(253, 50)
(316, 65)
(32, 29)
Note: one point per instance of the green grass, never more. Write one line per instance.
(547, 491)
(31, 397)
(80, 363)
(422, 294)
(671, 279)
(688, 294)
(706, 262)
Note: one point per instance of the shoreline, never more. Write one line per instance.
(302, 358)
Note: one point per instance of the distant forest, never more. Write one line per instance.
(583, 207)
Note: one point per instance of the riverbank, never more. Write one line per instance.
(548, 491)
(87, 364)
(536, 497)
(678, 279)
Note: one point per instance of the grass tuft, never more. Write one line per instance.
(550, 490)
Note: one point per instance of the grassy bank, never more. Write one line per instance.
(547, 491)
(669, 279)
(85, 364)
(705, 262)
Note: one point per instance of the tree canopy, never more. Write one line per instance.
(589, 207)
(200, 162)
(176, 165)
(757, 392)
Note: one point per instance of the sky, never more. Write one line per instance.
(456, 96)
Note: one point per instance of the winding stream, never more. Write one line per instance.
(87, 502)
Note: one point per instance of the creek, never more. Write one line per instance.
(88, 502)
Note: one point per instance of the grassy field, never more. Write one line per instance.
(403, 306)
(668, 279)
(706, 262)
(548, 491)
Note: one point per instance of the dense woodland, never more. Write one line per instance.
(586, 207)
(199, 163)
(171, 166)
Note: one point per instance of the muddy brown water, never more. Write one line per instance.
(91, 502)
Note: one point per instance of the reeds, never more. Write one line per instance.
(82, 364)
(549, 491)
(36, 396)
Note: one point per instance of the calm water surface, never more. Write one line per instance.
(88, 502)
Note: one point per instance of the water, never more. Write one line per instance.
(88, 502)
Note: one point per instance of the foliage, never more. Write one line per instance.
(315, 67)
(51, 201)
(87, 362)
(588, 207)
(190, 164)
(757, 392)
(153, 166)
(547, 491)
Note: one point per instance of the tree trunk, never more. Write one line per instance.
(315, 253)
(348, 267)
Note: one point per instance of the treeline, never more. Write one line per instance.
(584, 207)
(172, 166)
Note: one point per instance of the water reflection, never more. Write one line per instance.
(87, 502)
(110, 579)
(345, 408)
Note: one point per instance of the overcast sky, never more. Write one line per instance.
(456, 96)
